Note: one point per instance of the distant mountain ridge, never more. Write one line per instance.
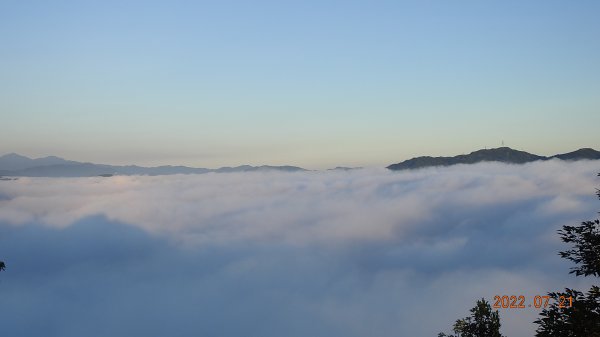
(16, 162)
(15, 165)
(501, 154)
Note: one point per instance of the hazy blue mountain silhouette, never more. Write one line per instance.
(248, 168)
(344, 168)
(16, 165)
(15, 162)
(501, 154)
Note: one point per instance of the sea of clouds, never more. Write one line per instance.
(336, 253)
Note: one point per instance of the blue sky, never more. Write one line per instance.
(310, 83)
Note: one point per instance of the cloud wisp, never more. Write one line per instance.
(337, 253)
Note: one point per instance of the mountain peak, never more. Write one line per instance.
(586, 153)
(13, 156)
(13, 161)
(17, 162)
(501, 154)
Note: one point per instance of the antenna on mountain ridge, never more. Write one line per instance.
(503, 143)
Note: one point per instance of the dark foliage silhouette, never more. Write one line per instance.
(483, 322)
(586, 251)
(580, 319)
(573, 313)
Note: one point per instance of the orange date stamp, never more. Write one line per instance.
(538, 302)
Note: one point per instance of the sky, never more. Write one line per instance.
(266, 254)
(315, 84)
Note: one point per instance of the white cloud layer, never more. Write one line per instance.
(337, 253)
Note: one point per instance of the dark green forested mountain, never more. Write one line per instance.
(501, 154)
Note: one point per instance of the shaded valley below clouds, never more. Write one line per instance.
(339, 253)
